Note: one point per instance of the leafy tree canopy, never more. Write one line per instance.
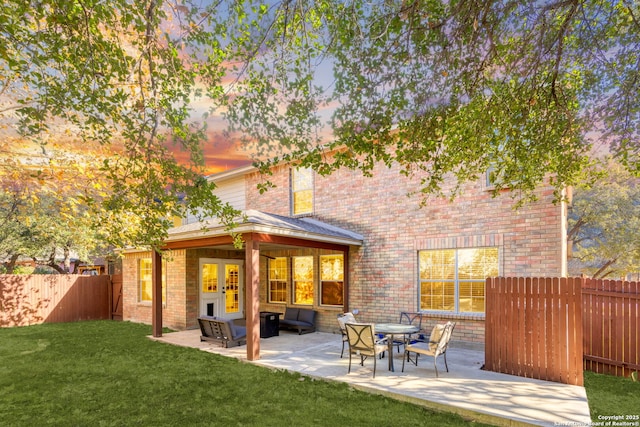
(42, 211)
(448, 87)
(604, 225)
(122, 74)
(452, 88)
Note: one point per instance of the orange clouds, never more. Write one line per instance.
(220, 154)
(223, 152)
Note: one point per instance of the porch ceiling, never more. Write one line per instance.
(269, 224)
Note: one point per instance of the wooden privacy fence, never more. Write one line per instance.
(554, 328)
(33, 299)
(534, 328)
(611, 326)
(116, 296)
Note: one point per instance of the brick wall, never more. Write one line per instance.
(182, 305)
(174, 312)
(384, 271)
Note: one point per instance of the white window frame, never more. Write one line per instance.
(294, 282)
(340, 279)
(296, 189)
(150, 275)
(284, 280)
(456, 281)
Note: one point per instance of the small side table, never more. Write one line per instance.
(269, 324)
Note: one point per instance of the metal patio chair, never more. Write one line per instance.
(363, 343)
(437, 345)
(410, 318)
(344, 318)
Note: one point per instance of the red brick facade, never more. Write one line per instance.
(383, 275)
(384, 271)
(174, 312)
(181, 308)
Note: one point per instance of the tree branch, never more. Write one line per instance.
(604, 267)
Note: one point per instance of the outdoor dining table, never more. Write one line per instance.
(391, 329)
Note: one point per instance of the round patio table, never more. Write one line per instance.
(391, 329)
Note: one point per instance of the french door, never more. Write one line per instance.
(221, 287)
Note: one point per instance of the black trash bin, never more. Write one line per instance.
(269, 324)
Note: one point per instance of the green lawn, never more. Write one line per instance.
(109, 374)
(612, 396)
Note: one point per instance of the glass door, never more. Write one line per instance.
(232, 288)
(221, 288)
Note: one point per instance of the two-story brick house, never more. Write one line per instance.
(348, 242)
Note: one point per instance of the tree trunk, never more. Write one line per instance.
(11, 264)
(67, 260)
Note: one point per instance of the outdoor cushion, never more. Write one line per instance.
(238, 331)
(307, 316)
(300, 319)
(297, 323)
(291, 313)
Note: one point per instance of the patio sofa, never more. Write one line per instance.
(301, 319)
(222, 331)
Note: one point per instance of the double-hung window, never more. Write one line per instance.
(278, 276)
(453, 280)
(146, 283)
(301, 191)
(331, 279)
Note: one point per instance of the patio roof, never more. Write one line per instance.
(272, 224)
(260, 231)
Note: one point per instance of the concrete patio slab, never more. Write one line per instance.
(489, 397)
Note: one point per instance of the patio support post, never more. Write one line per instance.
(252, 281)
(156, 295)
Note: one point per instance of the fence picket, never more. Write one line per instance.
(598, 322)
(575, 325)
(511, 359)
(33, 299)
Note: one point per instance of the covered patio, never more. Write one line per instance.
(261, 233)
(467, 390)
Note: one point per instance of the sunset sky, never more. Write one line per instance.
(220, 153)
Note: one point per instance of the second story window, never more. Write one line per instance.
(301, 191)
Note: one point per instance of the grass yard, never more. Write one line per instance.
(612, 396)
(104, 373)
